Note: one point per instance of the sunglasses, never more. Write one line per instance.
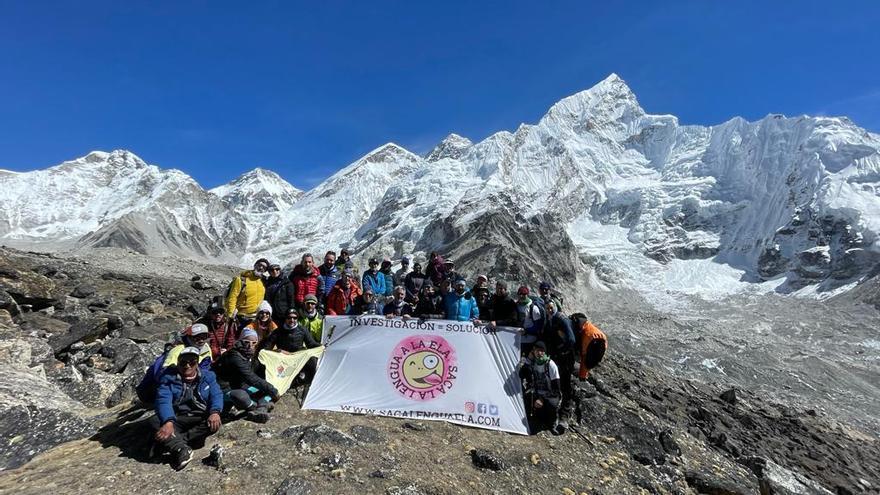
(262, 313)
(248, 343)
(290, 317)
(187, 362)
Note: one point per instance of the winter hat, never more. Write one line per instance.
(292, 312)
(197, 329)
(249, 334)
(386, 263)
(545, 285)
(265, 306)
(482, 277)
(404, 260)
(460, 282)
(310, 298)
(216, 309)
(523, 290)
(541, 345)
(188, 350)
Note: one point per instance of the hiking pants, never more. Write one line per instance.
(188, 430)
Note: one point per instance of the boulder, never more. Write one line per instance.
(83, 290)
(158, 329)
(152, 306)
(42, 325)
(89, 386)
(81, 329)
(123, 352)
(778, 480)
(29, 288)
(483, 459)
(8, 303)
(295, 486)
(35, 416)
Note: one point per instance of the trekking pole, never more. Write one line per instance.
(580, 434)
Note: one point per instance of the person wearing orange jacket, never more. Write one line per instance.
(592, 344)
(342, 297)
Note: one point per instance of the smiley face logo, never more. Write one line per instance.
(422, 367)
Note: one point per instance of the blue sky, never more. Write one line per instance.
(217, 88)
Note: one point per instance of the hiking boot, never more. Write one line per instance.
(258, 415)
(181, 456)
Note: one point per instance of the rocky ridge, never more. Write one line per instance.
(78, 332)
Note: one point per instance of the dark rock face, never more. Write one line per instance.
(366, 434)
(34, 417)
(83, 291)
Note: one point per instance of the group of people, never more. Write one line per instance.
(212, 368)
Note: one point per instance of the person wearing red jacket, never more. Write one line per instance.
(305, 279)
(342, 297)
(221, 330)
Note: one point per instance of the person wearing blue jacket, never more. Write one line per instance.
(374, 279)
(460, 305)
(188, 406)
(389, 279)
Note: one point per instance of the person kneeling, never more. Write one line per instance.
(188, 406)
(543, 394)
(241, 386)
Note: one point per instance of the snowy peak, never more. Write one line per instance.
(258, 191)
(452, 146)
(610, 102)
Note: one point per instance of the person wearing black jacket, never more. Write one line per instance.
(291, 337)
(241, 386)
(559, 338)
(429, 307)
(282, 299)
(502, 307)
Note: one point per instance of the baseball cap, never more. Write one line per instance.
(189, 350)
(198, 329)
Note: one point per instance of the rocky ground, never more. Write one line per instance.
(685, 403)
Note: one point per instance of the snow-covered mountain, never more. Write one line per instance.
(597, 187)
(258, 191)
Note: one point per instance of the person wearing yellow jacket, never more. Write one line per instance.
(246, 292)
(310, 318)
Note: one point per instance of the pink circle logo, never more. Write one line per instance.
(422, 367)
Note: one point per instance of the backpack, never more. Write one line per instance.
(577, 325)
(538, 329)
(226, 294)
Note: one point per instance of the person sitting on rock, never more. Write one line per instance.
(263, 324)
(290, 338)
(310, 318)
(146, 389)
(366, 303)
(398, 305)
(221, 330)
(245, 292)
(543, 392)
(460, 305)
(560, 341)
(241, 386)
(195, 335)
(400, 275)
(413, 283)
(342, 298)
(429, 305)
(305, 279)
(188, 407)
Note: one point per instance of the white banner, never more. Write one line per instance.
(421, 370)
